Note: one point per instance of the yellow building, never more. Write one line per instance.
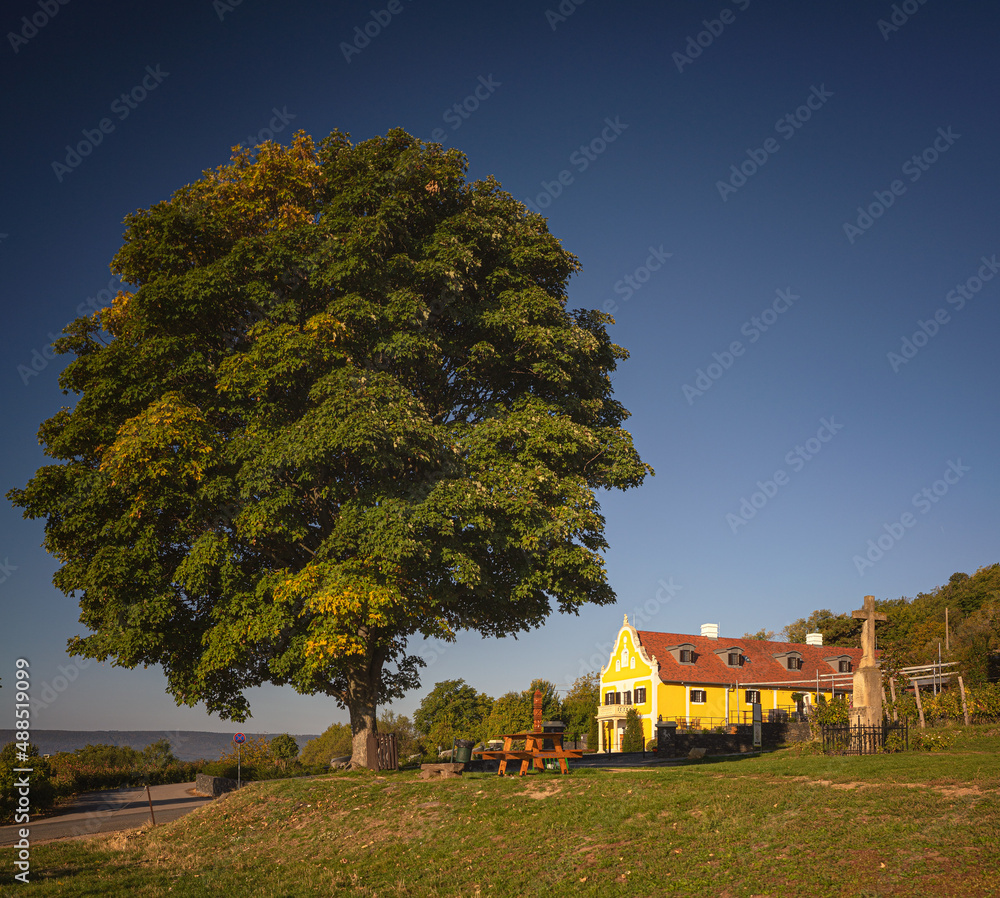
(703, 682)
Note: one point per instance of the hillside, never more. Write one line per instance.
(187, 745)
(916, 627)
(905, 825)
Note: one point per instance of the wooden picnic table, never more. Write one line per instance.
(534, 751)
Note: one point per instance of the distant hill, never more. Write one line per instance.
(187, 745)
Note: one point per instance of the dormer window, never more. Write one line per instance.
(789, 660)
(683, 653)
(731, 656)
(840, 663)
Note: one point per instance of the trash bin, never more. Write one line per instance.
(463, 751)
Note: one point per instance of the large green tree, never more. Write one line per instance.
(581, 705)
(343, 403)
(452, 710)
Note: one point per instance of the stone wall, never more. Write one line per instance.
(213, 785)
(671, 744)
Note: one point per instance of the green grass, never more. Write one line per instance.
(789, 823)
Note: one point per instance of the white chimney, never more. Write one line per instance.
(710, 630)
(814, 638)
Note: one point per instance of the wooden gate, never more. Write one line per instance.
(382, 752)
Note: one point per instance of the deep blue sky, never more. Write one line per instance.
(892, 428)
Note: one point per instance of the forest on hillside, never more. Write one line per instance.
(915, 629)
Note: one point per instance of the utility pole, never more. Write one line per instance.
(946, 646)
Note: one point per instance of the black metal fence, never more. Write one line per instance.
(865, 740)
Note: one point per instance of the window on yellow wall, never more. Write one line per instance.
(699, 696)
(631, 663)
(752, 697)
(640, 695)
(628, 698)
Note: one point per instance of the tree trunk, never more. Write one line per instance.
(362, 699)
(363, 723)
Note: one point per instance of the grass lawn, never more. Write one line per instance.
(788, 823)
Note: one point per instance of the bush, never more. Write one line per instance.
(632, 737)
(921, 740)
(42, 791)
(832, 713)
(334, 743)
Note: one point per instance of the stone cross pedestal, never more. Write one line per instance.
(867, 703)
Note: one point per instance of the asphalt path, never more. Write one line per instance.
(105, 812)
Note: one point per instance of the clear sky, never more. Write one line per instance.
(790, 209)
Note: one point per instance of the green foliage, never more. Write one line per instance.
(42, 790)
(580, 706)
(109, 755)
(343, 403)
(158, 755)
(514, 711)
(837, 629)
(984, 702)
(593, 736)
(510, 714)
(765, 635)
(284, 747)
(830, 713)
(335, 742)
(407, 737)
(632, 737)
(551, 706)
(976, 644)
(927, 740)
(915, 628)
(452, 710)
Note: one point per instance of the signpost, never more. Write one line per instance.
(239, 739)
(757, 720)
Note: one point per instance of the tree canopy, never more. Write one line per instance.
(916, 627)
(452, 710)
(343, 403)
(581, 704)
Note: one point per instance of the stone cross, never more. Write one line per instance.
(538, 711)
(867, 687)
(869, 615)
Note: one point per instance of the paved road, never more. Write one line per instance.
(105, 812)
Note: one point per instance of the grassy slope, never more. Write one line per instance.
(784, 824)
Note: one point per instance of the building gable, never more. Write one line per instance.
(628, 658)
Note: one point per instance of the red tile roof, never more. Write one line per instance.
(759, 665)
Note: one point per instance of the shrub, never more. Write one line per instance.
(921, 740)
(832, 713)
(334, 743)
(42, 791)
(632, 737)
